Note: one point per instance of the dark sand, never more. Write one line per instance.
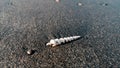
(30, 24)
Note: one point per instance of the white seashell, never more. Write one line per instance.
(55, 42)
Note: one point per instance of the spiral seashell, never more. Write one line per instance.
(55, 42)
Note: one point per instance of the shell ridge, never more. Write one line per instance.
(55, 42)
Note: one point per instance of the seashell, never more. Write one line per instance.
(55, 42)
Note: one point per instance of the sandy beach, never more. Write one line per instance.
(30, 24)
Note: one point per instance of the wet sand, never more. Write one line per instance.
(30, 24)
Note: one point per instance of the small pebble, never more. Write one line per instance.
(30, 52)
(79, 4)
(104, 4)
(57, 0)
